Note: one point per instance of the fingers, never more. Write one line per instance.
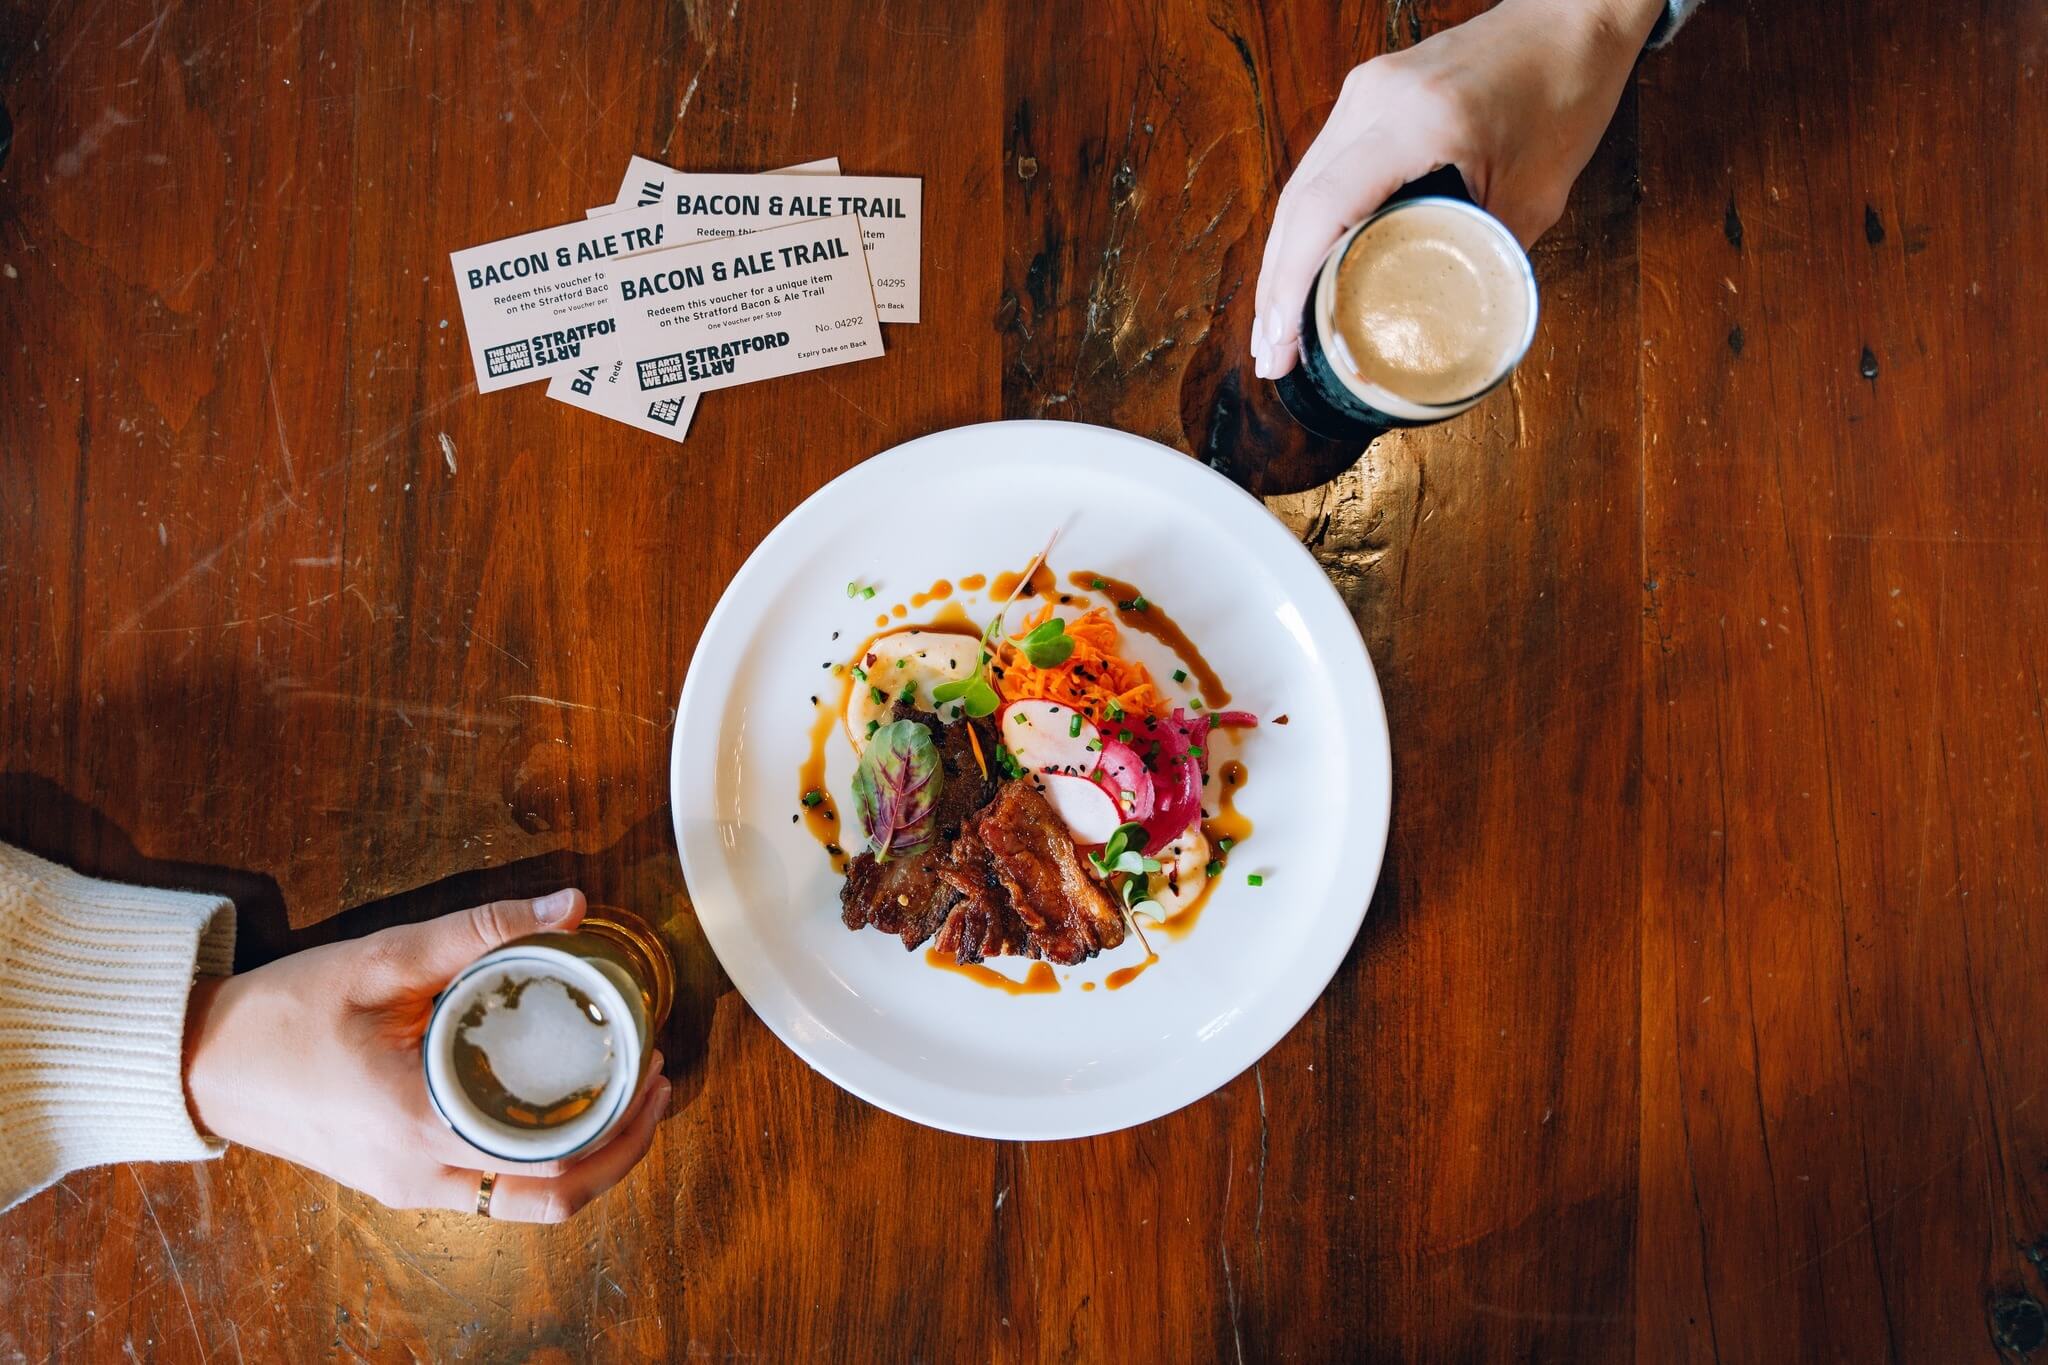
(1308, 221)
(443, 1144)
(447, 1147)
(526, 1198)
(427, 954)
(1367, 150)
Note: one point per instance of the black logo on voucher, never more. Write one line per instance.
(668, 411)
(704, 362)
(510, 358)
(545, 349)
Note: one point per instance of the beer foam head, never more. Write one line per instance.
(530, 1054)
(1430, 304)
(544, 1043)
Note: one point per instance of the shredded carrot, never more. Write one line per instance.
(1092, 677)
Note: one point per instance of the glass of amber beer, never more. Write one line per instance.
(535, 1050)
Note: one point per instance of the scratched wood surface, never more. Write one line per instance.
(1697, 1014)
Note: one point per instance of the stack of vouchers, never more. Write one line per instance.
(690, 281)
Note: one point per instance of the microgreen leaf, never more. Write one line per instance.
(896, 790)
(1049, 645)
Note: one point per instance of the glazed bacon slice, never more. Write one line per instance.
(1065, 910)
(982, 923)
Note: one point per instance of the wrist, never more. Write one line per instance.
(201, 1060)
(1620, 28)
(1625, 23)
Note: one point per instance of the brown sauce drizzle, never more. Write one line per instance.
(822, 820)
(974, 582)
(1042, 584)
(899, 611)
(1154, 621)
(1038, 981)
(1124, 976)
(939, 591)
(1227, 823)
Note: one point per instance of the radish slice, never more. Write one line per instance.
(1123, 776)
(1176, 776)
(1086, 809)
(1041, 736)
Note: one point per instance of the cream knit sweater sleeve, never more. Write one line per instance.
(94, 978)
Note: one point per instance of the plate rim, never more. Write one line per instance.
(1372, 847)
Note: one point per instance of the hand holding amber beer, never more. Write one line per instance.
(316, 1058)
(1516, 98)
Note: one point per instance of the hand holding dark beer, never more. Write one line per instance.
(1516, 99)
(316, 1058)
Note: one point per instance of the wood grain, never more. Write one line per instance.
(1696, 1014)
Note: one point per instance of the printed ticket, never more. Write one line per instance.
(599, 386)
(890, 209)
(726, 312)
(647, 182)
(543, 303)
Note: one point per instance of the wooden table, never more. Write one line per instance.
(1698, 1014)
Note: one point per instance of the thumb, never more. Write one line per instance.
(431, 952)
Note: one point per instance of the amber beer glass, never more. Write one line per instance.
(1461, 291)
(535, 1050)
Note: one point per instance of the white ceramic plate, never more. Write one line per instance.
(932, 1045)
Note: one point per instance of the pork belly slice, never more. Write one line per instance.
(982, 923)
(906, 896)
(1068, 916)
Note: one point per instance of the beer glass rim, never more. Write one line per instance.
(437, 1066)
(1384, 400)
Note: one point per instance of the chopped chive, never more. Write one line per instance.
(866, 593)
(1255, 880)
(1196, 750)
(1094, 745)
(1215, 866)
(1123, 736)
(859, 674)
(875, 694)
(873, 726)
(813, 797)
(1098, 584)
(1141, 604)
(903, 663)
(1225, 845)
(1195, 703)
(909, 690)
(1115, 712)
(852, 588)
(1074, 727)
(1180, 675)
